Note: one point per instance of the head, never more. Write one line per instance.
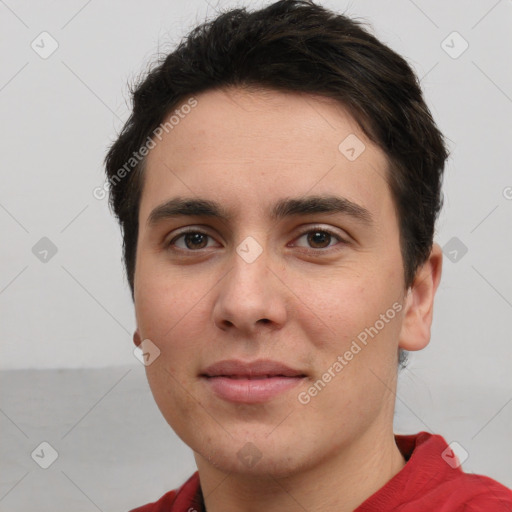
(253, 109)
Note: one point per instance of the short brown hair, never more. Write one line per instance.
(299, 46)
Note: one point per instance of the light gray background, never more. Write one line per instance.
(69, 376)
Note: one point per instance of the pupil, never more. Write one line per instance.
(194, 238)
(319, 237)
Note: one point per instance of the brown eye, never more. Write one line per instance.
(193, 240)
(320, 238)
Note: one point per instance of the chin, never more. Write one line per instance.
(257, 456)
(259, 466)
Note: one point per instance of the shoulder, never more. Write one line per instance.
(478, 493)
(186, 498)
(433, 478)
(161, 505)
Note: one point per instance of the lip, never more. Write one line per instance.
(250, 382)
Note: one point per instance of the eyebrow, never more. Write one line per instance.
(288, 207)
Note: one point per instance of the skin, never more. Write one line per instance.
(301, 302)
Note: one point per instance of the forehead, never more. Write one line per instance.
(250, 148)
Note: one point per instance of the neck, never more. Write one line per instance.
(339, 483)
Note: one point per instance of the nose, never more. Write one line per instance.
(251, 296)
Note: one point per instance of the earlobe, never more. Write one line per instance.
(419, 303)
(136, 338)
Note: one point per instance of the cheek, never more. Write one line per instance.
(174, 399)
(337, 307)
(166, 304)
(359, 308)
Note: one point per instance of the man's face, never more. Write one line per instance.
(295, 288)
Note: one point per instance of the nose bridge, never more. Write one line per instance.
(249, 292)
(250, 262)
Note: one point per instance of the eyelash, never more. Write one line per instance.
(310, 230)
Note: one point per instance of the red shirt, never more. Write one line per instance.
(426, 483)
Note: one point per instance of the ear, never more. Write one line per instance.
(419, 303)
(136, 338)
